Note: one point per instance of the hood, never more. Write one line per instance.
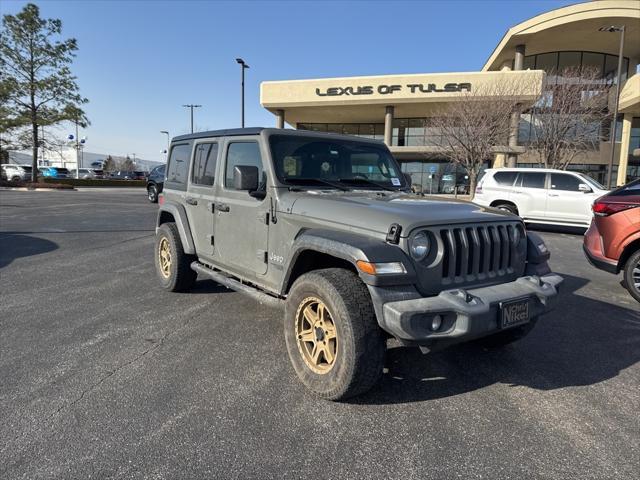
(376, 212)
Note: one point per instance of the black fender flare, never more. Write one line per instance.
(180, 216)
(350, 247)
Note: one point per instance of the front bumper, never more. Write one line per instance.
(465, 314)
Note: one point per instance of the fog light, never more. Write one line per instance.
(436, 323)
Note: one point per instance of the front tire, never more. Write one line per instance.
(333, 339)
(152, 193)
(173, 266)
(632, 275)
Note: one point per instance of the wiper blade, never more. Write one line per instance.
(368, 182)
(317, 181)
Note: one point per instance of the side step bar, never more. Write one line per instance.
(234, 284)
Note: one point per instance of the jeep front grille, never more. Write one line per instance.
(480, 251)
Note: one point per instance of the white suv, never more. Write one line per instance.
(554, 197)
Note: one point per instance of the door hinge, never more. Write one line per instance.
(264, 217)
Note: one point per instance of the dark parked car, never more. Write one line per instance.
(155, 181)
(612, 242)
(140, 175)
(123, 175)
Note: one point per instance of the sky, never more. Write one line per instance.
(139, 61)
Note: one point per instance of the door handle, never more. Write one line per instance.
(222, 207)
(191, 201)
(554, 195)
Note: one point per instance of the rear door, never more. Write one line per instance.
(241, 220)
(530, 195)
(200, 198)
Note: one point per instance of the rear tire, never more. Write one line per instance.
(152, 193)
(632, 275)
(333, 339)
(506, 337)
(173, 266)
(507, 207)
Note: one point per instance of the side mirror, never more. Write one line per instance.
(583, 187)
(245, 178)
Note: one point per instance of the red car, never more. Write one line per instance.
(612, 242)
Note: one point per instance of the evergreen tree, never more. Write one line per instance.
(37, 87)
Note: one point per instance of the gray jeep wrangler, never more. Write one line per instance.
(325, 225)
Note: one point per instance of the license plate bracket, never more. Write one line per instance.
(514, 312)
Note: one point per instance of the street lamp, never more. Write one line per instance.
(243, 66)
(614, 127)
(191, 106)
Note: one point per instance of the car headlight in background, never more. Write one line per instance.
(419, 246)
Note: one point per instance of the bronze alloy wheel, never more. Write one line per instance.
(317, 335)
(164, 257)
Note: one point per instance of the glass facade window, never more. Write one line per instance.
(559, 64)
(367, 130)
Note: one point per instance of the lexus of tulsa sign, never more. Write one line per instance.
(390, 89)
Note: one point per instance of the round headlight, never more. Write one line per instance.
(419, 246)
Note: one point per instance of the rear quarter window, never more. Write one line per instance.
(632, 189)
(505, 179)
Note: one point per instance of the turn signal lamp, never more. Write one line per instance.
(380, 268)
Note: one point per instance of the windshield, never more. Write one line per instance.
(331, 163)
(592, 182)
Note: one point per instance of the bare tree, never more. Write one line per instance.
(471, 129)
(566, 121)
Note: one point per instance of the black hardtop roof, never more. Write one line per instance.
(229, 132)
(257, 130)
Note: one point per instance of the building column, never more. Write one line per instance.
(279, 118)
(518, 64)
(388, 125)
(624, 149)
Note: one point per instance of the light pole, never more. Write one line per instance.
(614, 126)
(243, 67)
(191, 106)
(168, 141)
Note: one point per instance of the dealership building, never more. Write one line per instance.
(398, 109)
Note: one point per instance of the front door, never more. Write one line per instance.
(200, 199)
(241, 219)
(566, 203)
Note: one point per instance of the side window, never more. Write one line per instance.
(204, 164)
(242, 153)
(179, 164)
(505, 179)
(561, 181)
(532, 179)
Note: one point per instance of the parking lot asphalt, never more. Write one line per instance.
(105, 375)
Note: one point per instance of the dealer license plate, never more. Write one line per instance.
(514, 313)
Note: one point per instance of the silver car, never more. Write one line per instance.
(85, 173)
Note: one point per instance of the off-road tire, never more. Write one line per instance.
(506, 337)
(180, 277)
(507, 207)
(152, 193)
(633, 262)
(359, 358)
